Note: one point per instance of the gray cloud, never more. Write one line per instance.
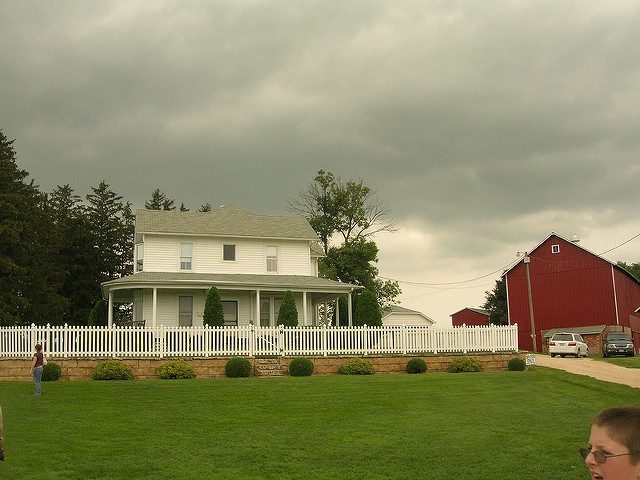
(485, 125)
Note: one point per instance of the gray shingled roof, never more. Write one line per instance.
(589, 330)
(226, 221)
(241, 280)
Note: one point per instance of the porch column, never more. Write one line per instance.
(349, 307)
(155, 307)
(304, 309)
(326, 313)
(337, 312)
(110, 310)
(257, 322)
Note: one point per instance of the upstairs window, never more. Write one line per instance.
(139, 257)
(555, 248)
(186, 256)
(229, 253)
(272, 258)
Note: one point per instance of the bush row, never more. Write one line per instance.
(241, 367)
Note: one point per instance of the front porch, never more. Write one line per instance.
(178, 299)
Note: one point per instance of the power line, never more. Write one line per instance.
(506, 267)
(623, 243)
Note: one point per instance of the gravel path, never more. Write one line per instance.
(598, 370)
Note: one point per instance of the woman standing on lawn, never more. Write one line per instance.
(37, 365)
(614, 445)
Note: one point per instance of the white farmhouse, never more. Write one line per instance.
(253, 259)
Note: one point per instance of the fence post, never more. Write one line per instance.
(281, 340)
(252, 340)
(206, 339)
(403, 338)
(325, 345)
(493, 336)
(365, 341)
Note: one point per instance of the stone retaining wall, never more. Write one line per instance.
(145, 369)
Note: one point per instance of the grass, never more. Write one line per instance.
(628, 362)
(501, 425)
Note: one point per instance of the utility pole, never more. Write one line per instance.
(527, 260)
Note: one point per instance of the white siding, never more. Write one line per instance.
(167, 306)
(405, 319)
(162, 255)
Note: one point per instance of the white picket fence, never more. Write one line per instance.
(143, 342)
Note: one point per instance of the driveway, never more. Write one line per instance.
(591, 368)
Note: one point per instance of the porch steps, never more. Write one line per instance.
(268, 367)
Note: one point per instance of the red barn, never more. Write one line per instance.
(470, 316)
(569, 287)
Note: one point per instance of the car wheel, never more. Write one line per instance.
(561, 355)
(586, 353)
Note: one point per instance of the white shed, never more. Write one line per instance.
(397, 315)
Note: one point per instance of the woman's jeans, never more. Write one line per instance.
(37, 379)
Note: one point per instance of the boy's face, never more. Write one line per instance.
(615, 468)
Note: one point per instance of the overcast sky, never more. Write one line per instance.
(483, 125)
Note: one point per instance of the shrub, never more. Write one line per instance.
(465, 364)
(300, 367)
(288, 313)
(112, 370)
(213, 314)
(367, 311)
(357, 366)
(174, 370)
(98, 315)
(416, 365)
(516, 365)
(51, 372)
(238, 367)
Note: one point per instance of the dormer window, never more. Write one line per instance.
(139, 256)
(555, 248)
(186, 256)
(229, 253)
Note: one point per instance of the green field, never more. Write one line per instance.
(503, 425)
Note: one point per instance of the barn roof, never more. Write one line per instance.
(553, 234)
(479, 310)
(590, 330)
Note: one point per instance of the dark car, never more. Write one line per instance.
(617, 343)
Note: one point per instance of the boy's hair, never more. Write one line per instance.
(38, 347)
(623, 425)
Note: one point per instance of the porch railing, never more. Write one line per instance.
(204, 341)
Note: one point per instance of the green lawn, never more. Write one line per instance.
(629, 362)
(503, 425)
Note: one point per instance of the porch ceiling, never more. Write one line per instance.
(320, 288)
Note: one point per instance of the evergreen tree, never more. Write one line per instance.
(183, 208)
(213, 311)
(159, 201)
(367, 310)
(74, 246)
(205, 207)
(30, 276)
(496, 303)
(104, 214)
(98, 315)
(288, 313)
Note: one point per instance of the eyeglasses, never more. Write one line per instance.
(599, 455)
